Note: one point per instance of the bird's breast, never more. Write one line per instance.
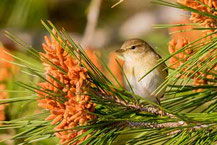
(149, 83)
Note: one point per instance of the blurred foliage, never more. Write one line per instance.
(22, 13)
(27, 14)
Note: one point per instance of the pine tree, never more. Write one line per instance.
(82, 106)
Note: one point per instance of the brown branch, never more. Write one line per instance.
(92, 19)
(155, 125)
(132, 124)
(141, 108)
(152, 110)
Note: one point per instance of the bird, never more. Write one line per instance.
(139, 58)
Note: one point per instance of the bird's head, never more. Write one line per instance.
(133, 47)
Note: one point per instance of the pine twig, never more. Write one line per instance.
(165, 125)
(140, 108)
(155, 125)
(92, 19)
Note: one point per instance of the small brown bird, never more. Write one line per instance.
(139, 58)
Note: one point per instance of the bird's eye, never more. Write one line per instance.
(133, 47)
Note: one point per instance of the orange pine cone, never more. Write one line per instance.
(5, 73)
(71, 107)
(92, 55)
(180, 40)
(115, 69)
(208, 6)
(5, 65)
(3, 95)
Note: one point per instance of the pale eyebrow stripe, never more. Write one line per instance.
(135, 46)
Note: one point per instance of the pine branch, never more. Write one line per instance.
(112, 111)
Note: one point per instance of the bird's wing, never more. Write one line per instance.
(159, 58)
(163, 65)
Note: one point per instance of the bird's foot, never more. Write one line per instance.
(162, 113)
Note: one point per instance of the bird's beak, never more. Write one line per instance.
(119, 51)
